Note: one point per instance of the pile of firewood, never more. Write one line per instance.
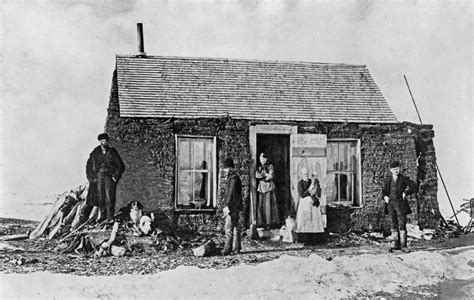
(167, 242)
(449, 229)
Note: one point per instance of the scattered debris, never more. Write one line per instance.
(448, 229)
(14, 237)
(414, 231)
(146, 257)
(374, 235)
(116, 245)
(451, 229)
(164, 242)
(78, 251)
(352, 239)
(118, 250)
(20, 261)
(207, 249)
(4, 247)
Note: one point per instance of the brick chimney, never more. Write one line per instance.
(140, 42)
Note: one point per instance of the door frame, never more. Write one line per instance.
(292, 131)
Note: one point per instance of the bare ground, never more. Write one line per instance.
(43, 255)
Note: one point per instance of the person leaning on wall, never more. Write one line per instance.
(394, 192)
(104, 169)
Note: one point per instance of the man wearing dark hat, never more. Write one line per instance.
(394, 193)
(233, 201)
(104, 169)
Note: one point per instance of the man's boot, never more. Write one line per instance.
(395, 240)
(229, 236)
(228, 242)
(403, 241)
(236, 246)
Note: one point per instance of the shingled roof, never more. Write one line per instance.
(180, 87)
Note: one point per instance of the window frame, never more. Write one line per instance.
(213, 192)
(358, 173)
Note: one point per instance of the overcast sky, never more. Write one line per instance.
(57, 59)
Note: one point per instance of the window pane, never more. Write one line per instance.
(185, 186)
(202, 154)
(201, 189)
(344, 157)
(331, 157)
(353, 156)
(344, 183)
(185, 154)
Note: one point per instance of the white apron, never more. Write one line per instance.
(308, 217)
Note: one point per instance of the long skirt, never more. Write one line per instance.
(308, 217)
(267, 210)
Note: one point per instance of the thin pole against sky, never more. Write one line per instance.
(436, 164)
(413, 99)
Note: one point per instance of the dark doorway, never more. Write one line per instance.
(277, 146)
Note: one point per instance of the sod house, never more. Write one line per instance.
(175, 119)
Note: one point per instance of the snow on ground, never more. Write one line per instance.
(286, 277)
(22, 206)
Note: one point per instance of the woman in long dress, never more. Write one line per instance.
(309, 221)
(267, 209)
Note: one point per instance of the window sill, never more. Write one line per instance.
(182, 211)
(343, 204)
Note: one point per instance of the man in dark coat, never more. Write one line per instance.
(394, 193)
(233, 201)
(104, 169)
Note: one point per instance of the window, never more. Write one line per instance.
(195, 179)
(343, 172)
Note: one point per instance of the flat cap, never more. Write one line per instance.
(228, 163)
(103, 136)
(394, 164)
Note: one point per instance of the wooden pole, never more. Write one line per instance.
(446, 190)
(74, 231)
(436, 164)
(413, 99)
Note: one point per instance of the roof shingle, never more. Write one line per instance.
(157, 86)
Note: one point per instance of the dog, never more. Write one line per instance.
(135, 213)
(146, 224)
